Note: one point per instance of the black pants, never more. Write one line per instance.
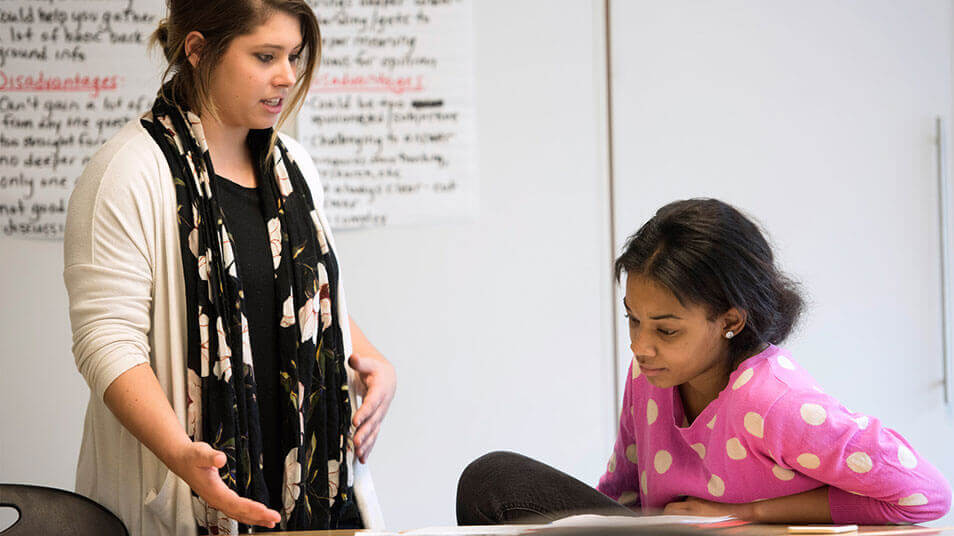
(504, 487)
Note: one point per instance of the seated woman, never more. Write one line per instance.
(717, 419)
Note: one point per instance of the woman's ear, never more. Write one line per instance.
(732, 321)
(193, 47)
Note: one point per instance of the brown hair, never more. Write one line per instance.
(219, 22)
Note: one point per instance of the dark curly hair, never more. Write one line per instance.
(708, 253)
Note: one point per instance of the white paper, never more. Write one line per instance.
(592, 520)
(579, 521)
(389, 119)
(472, 530)
(72, 73)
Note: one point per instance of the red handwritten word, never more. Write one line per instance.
(373, 83)
(42, 82)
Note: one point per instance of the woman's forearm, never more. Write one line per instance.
(807, 507)
(360, 344)
(138, 401)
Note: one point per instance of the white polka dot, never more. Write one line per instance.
(785, 362)
(859, 462)
(782, 473)
(861, 421)
(652, 411)
(711, 423)
(906, 457)
(743, 378)
(754, 424)
(813, 414)
(734, 448)
(716, 486)
(628, 497)
(700, 449)
(662, 461)
(611, 465)
(636, 370)
(808, 460)
(631, 453)
(917, 499)
(643, 483)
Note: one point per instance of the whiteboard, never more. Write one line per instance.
(497, 325)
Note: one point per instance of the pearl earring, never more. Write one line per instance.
(729, 334)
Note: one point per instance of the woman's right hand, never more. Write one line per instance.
(138, 401)
(197, 464)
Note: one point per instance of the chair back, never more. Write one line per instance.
(51, 511)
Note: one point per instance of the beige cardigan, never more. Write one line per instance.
(123, 272)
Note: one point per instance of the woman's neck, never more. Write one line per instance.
(700, 391)
(229, 151)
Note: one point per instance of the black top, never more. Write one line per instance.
(245, 221)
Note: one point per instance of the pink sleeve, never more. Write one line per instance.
(875, 477)
(621, 480)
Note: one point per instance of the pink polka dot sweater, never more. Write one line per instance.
(771, 432)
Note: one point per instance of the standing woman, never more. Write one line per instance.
(206, 302)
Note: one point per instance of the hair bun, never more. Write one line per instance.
(161, 36)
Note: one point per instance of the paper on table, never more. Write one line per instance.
(821, 529)
(580, 521)
(591, 520)
(476, 530)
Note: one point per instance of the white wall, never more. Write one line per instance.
(495, 326)
(817, 118)
(498, 327)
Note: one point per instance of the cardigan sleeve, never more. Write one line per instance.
(874, 475)
(110, 230)
(621, 480)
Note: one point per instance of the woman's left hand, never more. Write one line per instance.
(693, 506)
(380, 380)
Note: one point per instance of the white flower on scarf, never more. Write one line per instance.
(194, 405)
(204, 343)
(200, 511)
(194, 242)
(324, 295)
(171, 131)
(284, 183)
(210, 518)
(322, 241)
(228, 256)
(226, 525)
(203, 262)
(275, 241)
(349, 461)
(333, 476)
(197, 131)
(301, 413)
(203, 179)
(292, 487)
(194, 233)
(246, 343)
(288, 312)
(308, 320)
(223, 366)
(205, 185)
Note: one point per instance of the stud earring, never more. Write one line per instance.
(729, 334)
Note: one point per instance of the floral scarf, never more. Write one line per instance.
(222, 406)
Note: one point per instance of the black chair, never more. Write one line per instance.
(50, 511)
